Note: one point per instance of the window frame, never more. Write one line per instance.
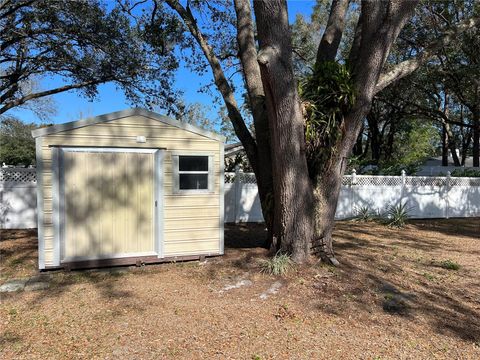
(176, 174)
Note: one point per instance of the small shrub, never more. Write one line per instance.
(397, 215)
(465, 173)
(363, 214)
(449, 265)
(277, 265)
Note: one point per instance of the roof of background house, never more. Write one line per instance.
(433, 166)
(232, 149)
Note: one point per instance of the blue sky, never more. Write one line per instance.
(72, 105)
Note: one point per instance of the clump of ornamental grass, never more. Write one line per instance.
(279, 264)
(363, 214)
(397, 215)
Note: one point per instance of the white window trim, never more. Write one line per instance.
(176, 174)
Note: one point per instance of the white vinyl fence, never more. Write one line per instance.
(18, 198)
(427, 197)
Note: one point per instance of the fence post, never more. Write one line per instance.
(237, 188)
(403, 187)
(447, 197)
(352, 192)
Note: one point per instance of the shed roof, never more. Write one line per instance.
(54, 129)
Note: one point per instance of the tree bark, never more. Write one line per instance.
(378, 27)
(450, 136)
(444, 146)
(476, 127)
(476, 139)
(293, 193)
(375, 138)
(253, 83)
(328, 47)
(257, 149)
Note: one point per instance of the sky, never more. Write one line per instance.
(72, 105)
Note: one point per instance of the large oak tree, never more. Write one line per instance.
(278, 151)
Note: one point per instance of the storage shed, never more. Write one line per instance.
(128, 187)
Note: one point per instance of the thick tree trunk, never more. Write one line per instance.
(326, 192)
(378, 27)
(328, 184)
(293, 193)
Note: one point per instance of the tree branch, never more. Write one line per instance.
(328, 47)
(219, 77)
(408, 66)
(11, 104)
(15, 8)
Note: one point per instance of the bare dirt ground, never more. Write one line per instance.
(390, 299)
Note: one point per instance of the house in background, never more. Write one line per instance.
(235, 157)
(433, 166)
(128, 187)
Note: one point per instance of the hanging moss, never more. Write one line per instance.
(327, 94)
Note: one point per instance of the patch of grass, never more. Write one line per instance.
(388, 296)
(449, 265)
(280, 264)
(397, 215)
(429, 277)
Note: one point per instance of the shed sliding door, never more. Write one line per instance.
(108, 204)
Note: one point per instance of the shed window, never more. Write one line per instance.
(193, 173)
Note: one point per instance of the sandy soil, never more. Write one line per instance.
(390, 299)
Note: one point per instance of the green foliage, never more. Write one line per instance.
(16, 143)
(397, 215)
(240, 160)
(449, 265)
(414, 144)
(466, 173)
(327, 95)
(363, 214)
(280, 264)
(87, 42)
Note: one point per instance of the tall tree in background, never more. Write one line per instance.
(17, 147)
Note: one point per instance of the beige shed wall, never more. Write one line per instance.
(191, 221)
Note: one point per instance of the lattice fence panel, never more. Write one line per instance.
(347, 180)
(362, 180)
(463, 181)
(425, 181)
(247, 178)
(19, 175)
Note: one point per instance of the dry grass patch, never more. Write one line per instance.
(390, 299)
